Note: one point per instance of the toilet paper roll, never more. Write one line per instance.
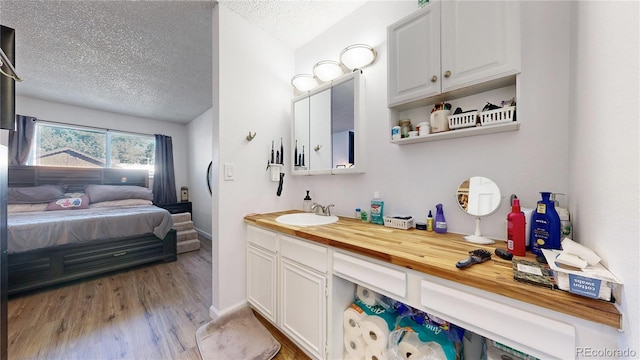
(375, 332)
(571, 247)
(367, 296)
(373, 354)
(354, 345)
(410, 346)
(351, 319)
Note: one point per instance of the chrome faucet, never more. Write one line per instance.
(321, 210)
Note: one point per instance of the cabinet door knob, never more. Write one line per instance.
(447, 74)
(434, 78)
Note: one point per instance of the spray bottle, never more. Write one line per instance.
(516, 230)
(441, 223)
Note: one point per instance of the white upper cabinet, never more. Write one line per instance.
(450, 45)
(480, 41)
(414, 56)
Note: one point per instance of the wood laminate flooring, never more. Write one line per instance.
(148, 312)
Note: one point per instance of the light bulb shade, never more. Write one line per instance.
(304, 82)
(357, 56)
(327, 70)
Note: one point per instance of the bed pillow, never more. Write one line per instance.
(35, 194)
(21, 208)
(74, 203)
(99, 193)
(120, 203)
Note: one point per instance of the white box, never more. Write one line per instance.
(594, 281)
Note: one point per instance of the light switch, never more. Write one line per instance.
(229, 172)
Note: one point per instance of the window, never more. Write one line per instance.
(63, 145)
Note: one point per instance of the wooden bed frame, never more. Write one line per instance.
(38, 268)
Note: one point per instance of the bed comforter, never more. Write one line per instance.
(34, 230)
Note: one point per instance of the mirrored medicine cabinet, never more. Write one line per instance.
(328, 127)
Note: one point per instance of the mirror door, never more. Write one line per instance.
(300, 140)
(343, 125)
(320, 132)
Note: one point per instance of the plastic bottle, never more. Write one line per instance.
(441, 223)
(516, 230)
(565, 222)
(358, 214)
(566, 230)
(545, 226)
(364, 216)
(429, 222)
(377, 209)
(306, 203)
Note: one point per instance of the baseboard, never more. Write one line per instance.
(205, 235)
(214, 313)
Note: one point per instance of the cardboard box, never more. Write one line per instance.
(593, 281)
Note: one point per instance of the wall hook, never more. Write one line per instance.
(251, 136)
(318, 147)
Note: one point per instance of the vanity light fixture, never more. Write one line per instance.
(353, 57)
(357, 56)
(327, 70)
(304, 82)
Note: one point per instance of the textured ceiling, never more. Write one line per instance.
(148, 59)
(143, 58)
(293, 22)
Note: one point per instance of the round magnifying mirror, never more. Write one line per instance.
(478, 196)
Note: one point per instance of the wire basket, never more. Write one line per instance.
(398, 222)
(463, 120)
(498, 116)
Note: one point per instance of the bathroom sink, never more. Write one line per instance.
(306, 219)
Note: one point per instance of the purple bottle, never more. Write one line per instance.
(441, 223)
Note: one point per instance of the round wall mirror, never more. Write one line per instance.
(478, 196)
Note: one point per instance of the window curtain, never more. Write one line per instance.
(164, 181)
(20, 140)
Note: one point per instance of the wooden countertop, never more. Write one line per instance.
(436, 254)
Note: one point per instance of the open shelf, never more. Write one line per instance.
(452, 134)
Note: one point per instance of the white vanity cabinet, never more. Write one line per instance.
(303, 294)
(262, 270)
(287, 284)
(450, 45)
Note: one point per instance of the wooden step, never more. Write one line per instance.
(182, 226)
(187, 235)
(188, 245)
(181, 217)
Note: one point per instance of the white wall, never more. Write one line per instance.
(413, 178)
(603, 142)
(199, 138)
(69, 114)
(254, 71)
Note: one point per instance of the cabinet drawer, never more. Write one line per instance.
(262, 238)
(553, 338)
(304, 253)
(368, 273)
(119, 253)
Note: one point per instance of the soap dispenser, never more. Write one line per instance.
(306, 203)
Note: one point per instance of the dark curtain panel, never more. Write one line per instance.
(164, 181)
(20, 140)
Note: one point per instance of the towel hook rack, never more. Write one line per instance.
(250, 136)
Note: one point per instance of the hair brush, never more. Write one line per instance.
(475, 257)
